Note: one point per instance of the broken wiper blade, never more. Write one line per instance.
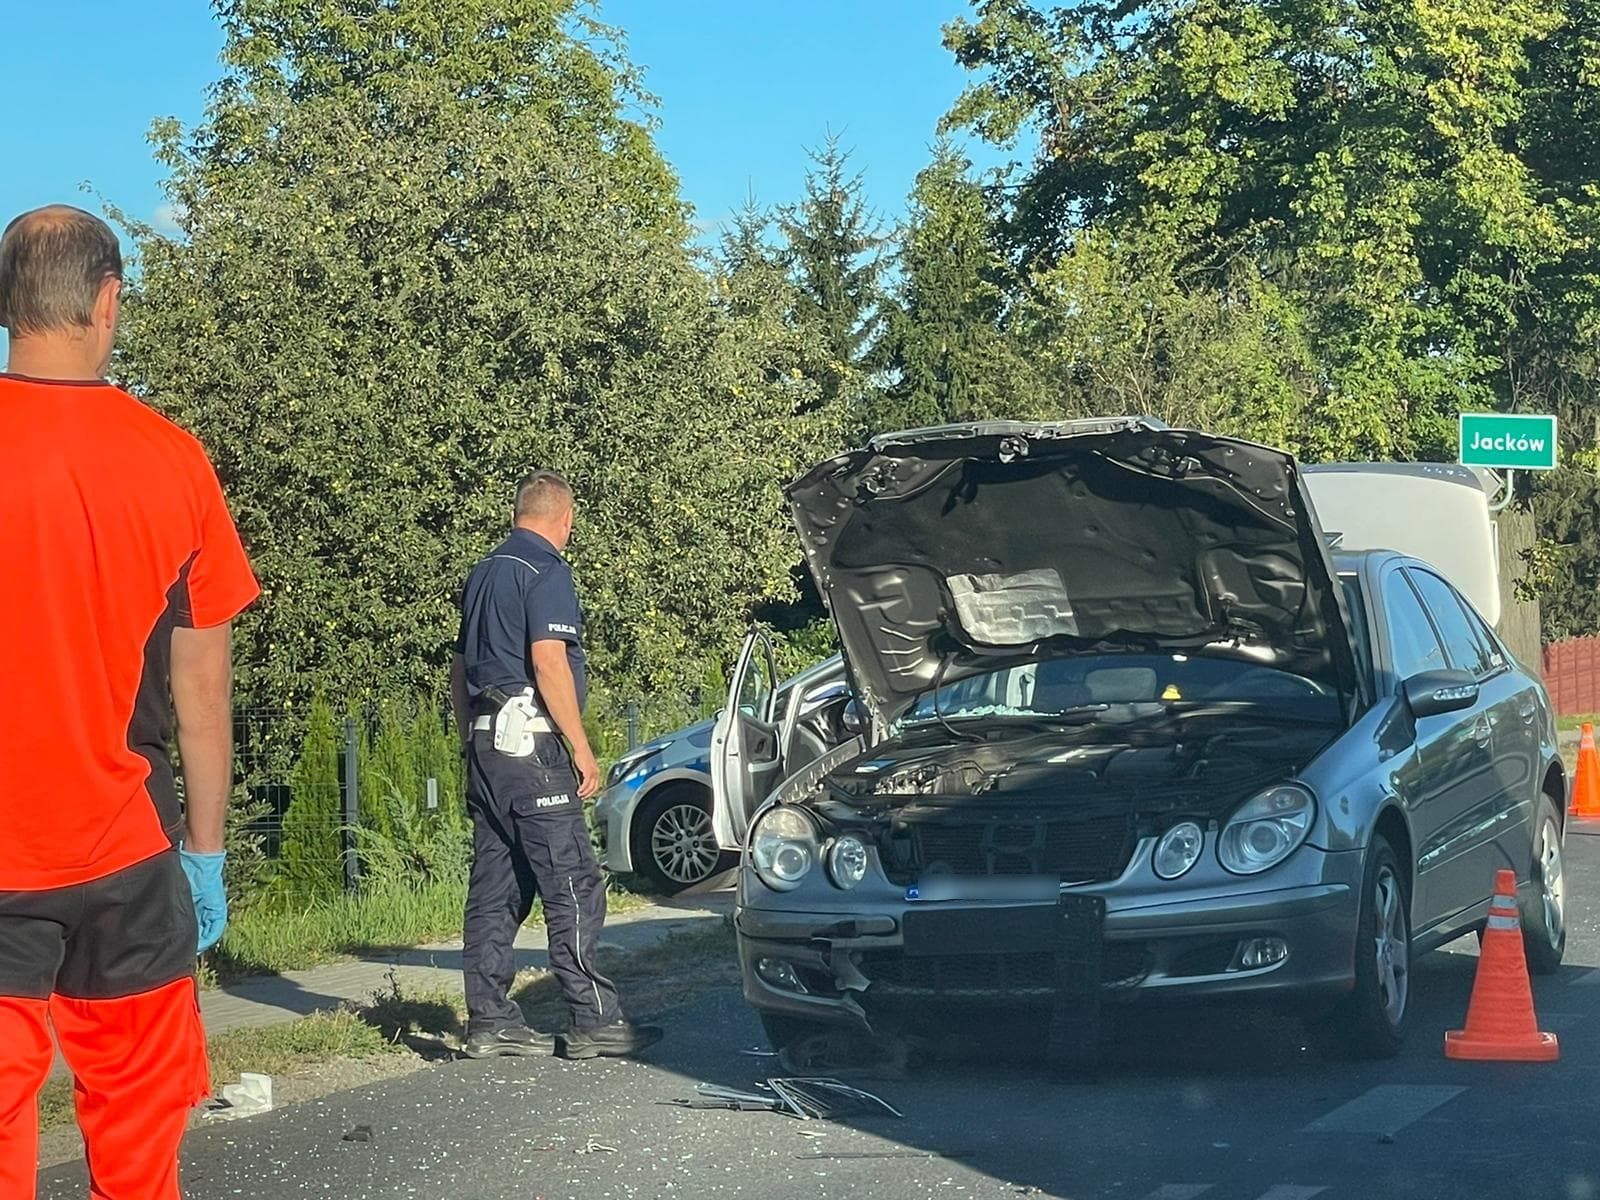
(809, 1099)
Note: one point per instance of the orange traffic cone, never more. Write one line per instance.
(1500, 1021)
(1586, 783)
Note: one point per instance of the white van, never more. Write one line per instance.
(1438, 512)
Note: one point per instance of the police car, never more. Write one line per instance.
(654, 816)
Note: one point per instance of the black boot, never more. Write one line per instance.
(617, 1040)
(510, 1040)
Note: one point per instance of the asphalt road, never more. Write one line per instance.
(1199, 1106)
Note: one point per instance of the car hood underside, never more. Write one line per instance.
(952, 552)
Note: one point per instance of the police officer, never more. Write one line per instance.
(519, 666)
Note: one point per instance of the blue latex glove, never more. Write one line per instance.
(204, 872)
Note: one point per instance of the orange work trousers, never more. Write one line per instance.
(85, 962)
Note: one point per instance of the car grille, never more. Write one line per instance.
(1079, 851)
(992, 976)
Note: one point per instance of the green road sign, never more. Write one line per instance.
(1509, 441)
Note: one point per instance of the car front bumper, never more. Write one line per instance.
(846, 962)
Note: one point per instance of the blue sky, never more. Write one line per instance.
(745, 86)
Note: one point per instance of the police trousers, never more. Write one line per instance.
(109, 966)
(530, 840)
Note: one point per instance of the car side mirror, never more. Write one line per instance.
(1434, 693)
(852, 720)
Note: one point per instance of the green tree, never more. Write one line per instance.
(944, 347)
(1404, 185)
(310, 866)
(1568, 512)
(1114, 327)
(756, 292)
(389, 764)
(834, 249)
(426, 249)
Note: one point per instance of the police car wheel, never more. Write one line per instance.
(675, 846)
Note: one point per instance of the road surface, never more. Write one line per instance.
(1201, 1106)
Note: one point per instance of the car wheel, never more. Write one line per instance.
(674, 844)
(1370, 1022)
(1544, 916)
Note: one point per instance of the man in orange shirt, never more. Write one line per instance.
(123, 573)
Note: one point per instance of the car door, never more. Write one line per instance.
(1503, 818)
(1522, 746)
(1448, 770)
(746, 761)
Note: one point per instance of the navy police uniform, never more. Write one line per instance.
(529, 833)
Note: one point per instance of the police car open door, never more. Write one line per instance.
(746, 758)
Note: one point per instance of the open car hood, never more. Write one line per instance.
(950, 552)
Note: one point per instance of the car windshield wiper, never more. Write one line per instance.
(1071, 716)
(1252, 710)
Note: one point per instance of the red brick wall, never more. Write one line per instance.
(1572, 675)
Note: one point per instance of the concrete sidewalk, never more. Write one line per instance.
(270, 999)
(275, 999)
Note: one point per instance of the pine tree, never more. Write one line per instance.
(310, 866)
(833, 245)
(388, 767)
(943, 349)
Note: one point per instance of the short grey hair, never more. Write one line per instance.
(543, 496)
(53, 263)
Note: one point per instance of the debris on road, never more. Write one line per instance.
(250, 1097)
(361, 1133)
(710, 1096)
(594, 1147)
(826, 1098)
(809, 1099)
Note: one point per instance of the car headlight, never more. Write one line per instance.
(1178, 850)
(847, 861)
(783, 848)
(1267, 829)
(628, 763)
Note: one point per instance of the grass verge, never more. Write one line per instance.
(269, 938)
(424, 1025)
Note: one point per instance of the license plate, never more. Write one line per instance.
(1069, 929)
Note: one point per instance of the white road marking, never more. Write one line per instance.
(1385, 1109)
(1289, 1191)
(1180, 1191)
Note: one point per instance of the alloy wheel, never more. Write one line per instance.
(1391, 944)
(683, 843)
(1552, 882)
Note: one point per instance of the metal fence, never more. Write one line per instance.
(267, 746)
(356, 773)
